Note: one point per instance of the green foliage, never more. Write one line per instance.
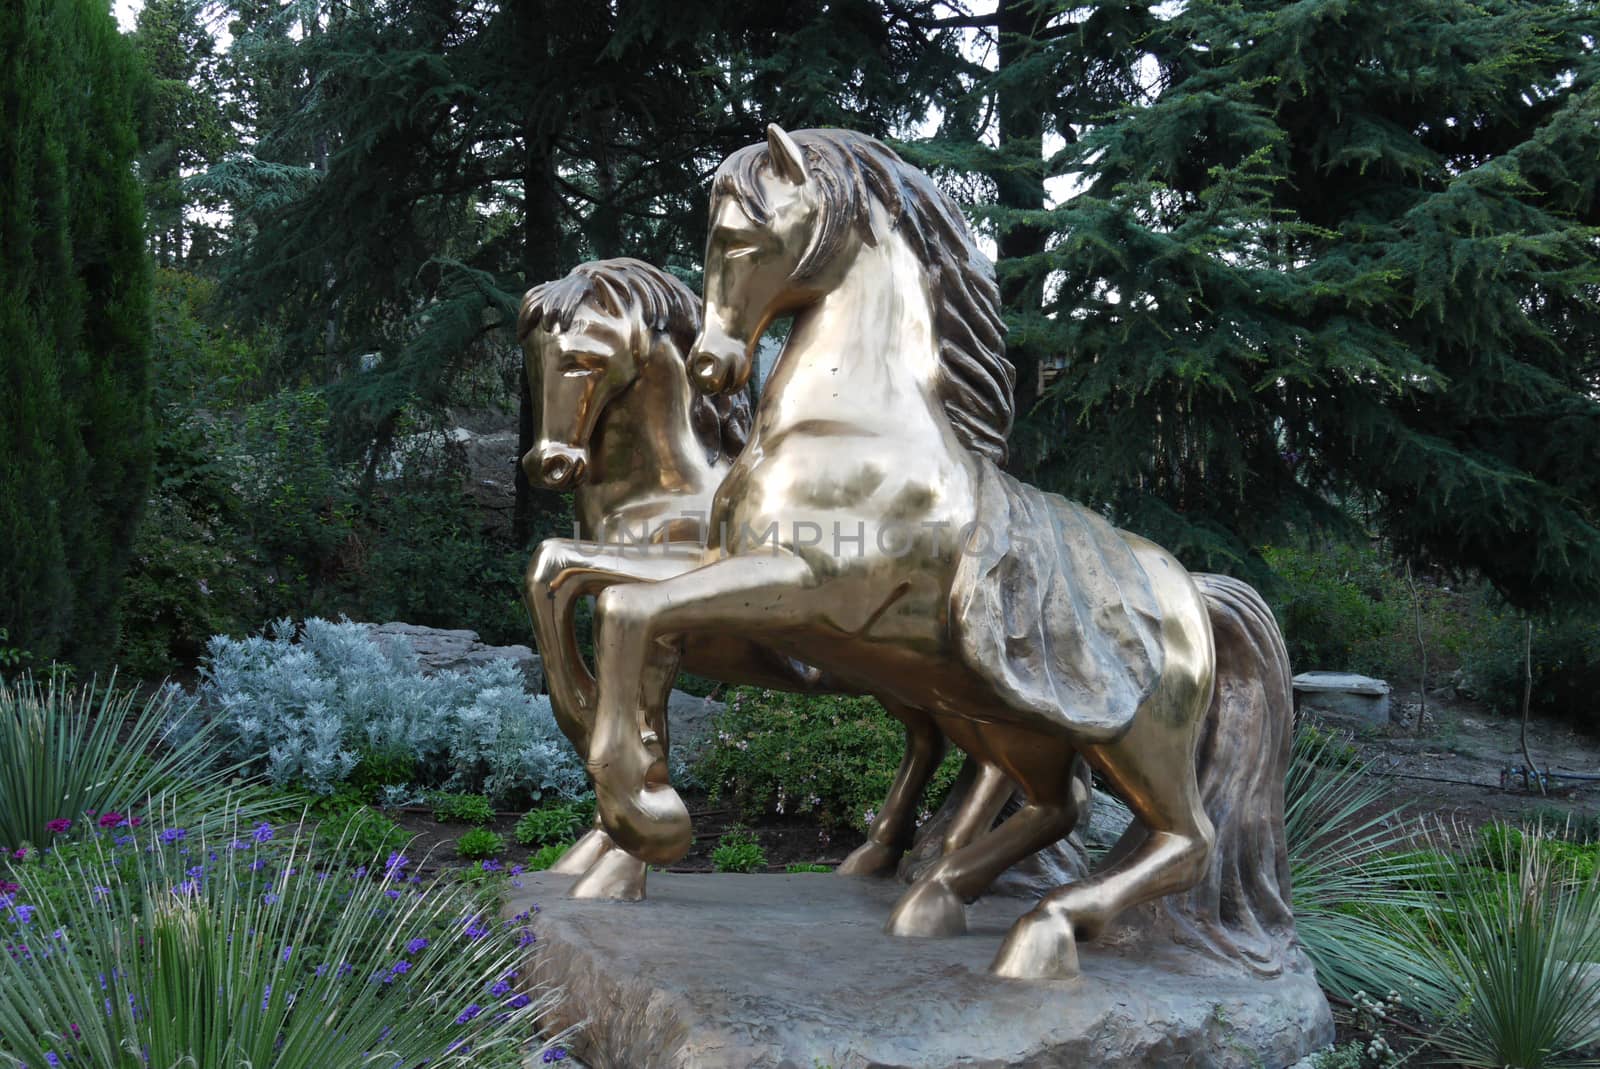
(291, 937)
(361, 828)
(558, 822)
(75, 426)
(76, 753)
(1566, 662)
(1341, 609)
(806, 866)
(379, 768)
(1323, 252)
(1499, 844)
(828, 758)
(1510, 948)
(480, 843)
(452, 808)
(546, 856)
(10, 656)
(738, 850)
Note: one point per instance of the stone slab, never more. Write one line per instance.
(794, 972)
(1343, 694)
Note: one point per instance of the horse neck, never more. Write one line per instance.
(643, 448)
(870, 342)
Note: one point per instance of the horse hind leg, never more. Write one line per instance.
(896, 822)
(1152, 768)
(936, 903)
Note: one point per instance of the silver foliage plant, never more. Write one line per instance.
(304, 705)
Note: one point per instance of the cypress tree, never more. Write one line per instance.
(75, 434)
(1345, 257)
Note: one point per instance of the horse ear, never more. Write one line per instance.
(787, 160)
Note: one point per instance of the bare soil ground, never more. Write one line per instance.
(1464, 765)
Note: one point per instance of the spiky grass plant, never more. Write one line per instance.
(1511, 940)
(249, 953)
(75, 753)
(1353, 871)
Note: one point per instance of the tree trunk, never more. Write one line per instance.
(541, 252)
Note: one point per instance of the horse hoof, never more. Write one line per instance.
(928, 909)
(615, 876)
(1038, 947)
(583, 854)
(870, 859)
(651, 824)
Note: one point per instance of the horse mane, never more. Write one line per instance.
(664, 305)
(976, 383)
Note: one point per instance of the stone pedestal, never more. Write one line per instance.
(794, 972)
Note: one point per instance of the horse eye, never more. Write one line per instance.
(736, 251)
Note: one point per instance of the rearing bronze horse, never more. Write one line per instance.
(866, 529)
(643, 454)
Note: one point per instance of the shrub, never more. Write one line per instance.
(1350, 874)
(480, 843)
(561, 822)
(366, 830)
(474, 809)
(795, 867)
(1566, 663)
(305, 711)
(1340, 608)
(77, 753)
(183, 951)
(828, 757)
(547, 855)
(1511, 947)
(738, 851)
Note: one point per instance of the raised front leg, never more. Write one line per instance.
(562, 572)
(748, 595)
(895, 823)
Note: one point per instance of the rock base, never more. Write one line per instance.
(794, 972)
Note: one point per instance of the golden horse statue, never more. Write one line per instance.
(643, 453)
(867, 529)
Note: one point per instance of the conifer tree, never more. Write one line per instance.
(467, 153)
(74, 326)
(1346, 254)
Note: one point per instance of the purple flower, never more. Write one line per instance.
(58, 825)
(472, 1010)
(519, 1001)
(500, 988)
(555, 1054)
(286, 952)
(110, 820)
(416, 945)
(174, 835)
(263, 832)
(401, 967)
(394, 868)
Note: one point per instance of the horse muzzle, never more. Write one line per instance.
(557, 467)
(717, 363)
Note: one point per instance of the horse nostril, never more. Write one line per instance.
(707, 371)
(559, 469)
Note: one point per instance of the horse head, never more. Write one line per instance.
(586, 339)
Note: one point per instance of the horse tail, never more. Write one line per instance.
(1240, 909)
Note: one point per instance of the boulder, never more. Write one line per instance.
(443, 650)
(795, 971)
